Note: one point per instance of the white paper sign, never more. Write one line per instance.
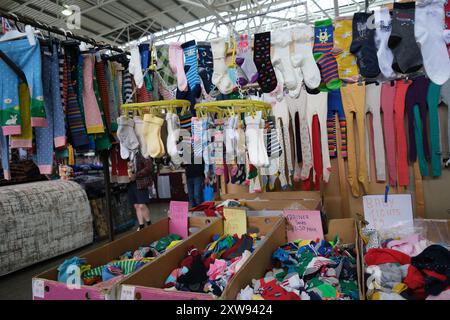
(381, 215)
(127, 293)
(38, 288)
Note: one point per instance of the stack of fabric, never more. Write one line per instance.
(306, 270)
(211, 271)
(406, 268)
(124, 265)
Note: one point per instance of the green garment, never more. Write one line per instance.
(433, 95)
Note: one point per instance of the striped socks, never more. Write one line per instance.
(191, 67)
(323, 44)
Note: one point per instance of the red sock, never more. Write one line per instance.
(317, 152)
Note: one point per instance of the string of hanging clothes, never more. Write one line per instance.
(349, 67)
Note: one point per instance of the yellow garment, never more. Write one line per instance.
(71, 155)
(24, 140)
(353, 99)
(257, 297)
(303, 243)
(346, 61)
(399, 288)
(173, 244)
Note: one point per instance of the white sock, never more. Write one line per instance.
(220, 76)
(129, 143)
(428, 29)
(382, 33)
(303, 57)
(135, 65)
(139, 130)
(230, 140)
(278, 92)
(251, 133)
(294, 112)
(173, 134)
(248, 65)
(280, 41)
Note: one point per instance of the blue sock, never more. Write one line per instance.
(191, 62)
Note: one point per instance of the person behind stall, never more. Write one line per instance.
(141, 179)
(195, 179)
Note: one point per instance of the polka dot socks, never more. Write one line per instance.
(267, 79)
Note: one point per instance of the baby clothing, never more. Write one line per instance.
(428, 29)
(407, 55)
(387, 106)
(347, 67)
(335, 106)
(383, 29)
(317, 105)
(267, 79)
(363, 45)
(353, 99)
(374, 130)
(433, 96)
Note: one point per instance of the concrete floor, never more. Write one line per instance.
(17, 285)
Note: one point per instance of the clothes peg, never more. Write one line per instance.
(386, 192)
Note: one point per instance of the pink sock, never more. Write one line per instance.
(176, 62)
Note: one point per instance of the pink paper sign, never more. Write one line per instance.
(178, 218)
(303, 225)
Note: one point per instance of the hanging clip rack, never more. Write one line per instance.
(232, 107)
(155, 106)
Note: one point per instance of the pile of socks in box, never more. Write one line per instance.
(405, 268)
(113, 271)
(211, 270)
(308, 270)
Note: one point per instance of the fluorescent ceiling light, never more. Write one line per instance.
(67, 11)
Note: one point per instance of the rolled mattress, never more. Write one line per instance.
(42, 220)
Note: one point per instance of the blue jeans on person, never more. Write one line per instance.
(195, 191)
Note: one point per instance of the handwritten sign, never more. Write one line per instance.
(178, 218)
(235, 221)
(303, 224)
(381, 215)
(38, 288)
(128, 293)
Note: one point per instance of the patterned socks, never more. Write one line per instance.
(244, 59)
(191, 67)
(267, 79)
(323, 44)
(205, 65)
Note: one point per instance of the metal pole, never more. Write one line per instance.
(336, 8)
(52, 29)
(105, 161)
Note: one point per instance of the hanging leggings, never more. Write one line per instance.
(294, 110)
(92, 116)
(317, 154)
(28, 59)
(353, 97)
(54, 134)
(417, 95)
(374, 131)
(445, 94)
(401, 148)
(317, 105)
(335, 106)
(281, 110)
(433, 96)
(387, 105)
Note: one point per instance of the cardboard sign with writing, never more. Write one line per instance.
(178, 218)
(303, 224)
(381, 215)
(235, 221)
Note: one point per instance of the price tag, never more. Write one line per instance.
(127, 293)
(38, 288)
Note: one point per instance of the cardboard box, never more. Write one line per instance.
(300, 200)
(47, 287)
(147, 283)
(261, 261)
(434, 230)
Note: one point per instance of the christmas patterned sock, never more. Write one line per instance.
(205, 65)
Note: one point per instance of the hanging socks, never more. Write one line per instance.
(267, 79)
(244, 59)
(190, 60)
(176, 63)
(329, 72)
(281, 41)
(205, 65)
(129, 143)
(152, 133)
(220, 76)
